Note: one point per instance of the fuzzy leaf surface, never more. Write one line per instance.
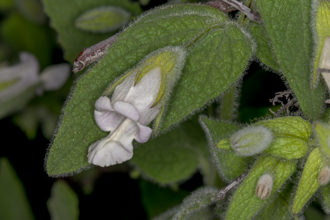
(228, 164)
(245, 204)
(288, 25)
(217, 60)
(308, 183)
(171, 157)
(78, 130)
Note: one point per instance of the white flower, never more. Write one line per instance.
(24, 73)
(126, 116)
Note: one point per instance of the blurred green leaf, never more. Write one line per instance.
(325, 195)
(102, 19)
(63, 15)
(195, 202)
(63, 203)
(13, 202)
(171, 157)
(23, 35)
(288, 25)
(32, 10)
(157, 199)
(6, 4)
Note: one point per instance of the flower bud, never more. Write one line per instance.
(264, 186)
(136, 100)
(251, 140)
(324, 176)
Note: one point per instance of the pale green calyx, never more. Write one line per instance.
(251, 140)
(137, 98)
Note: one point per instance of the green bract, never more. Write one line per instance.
(322, 131)
(308, 183)
(245, 204)
(228, 164)
(251, 140)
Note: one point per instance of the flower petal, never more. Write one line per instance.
(126, 109)
(103, 104)
(122, 89)
(107, 121)
(143, 95)
(107, 153)
(143, 133)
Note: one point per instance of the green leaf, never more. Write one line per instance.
(171, 157)
(288, 148)
(228, 50)
(63, 15)
(198, 199)
(264, 50)
(322, 131)
(63, 203)
(151, 194)
(13, 202)
(228, 105)
(32, 10)
(228, 164)
(308, 183)
(245, 204)
(288, 25)
(102, 19)
(78, 130)
(325, 192)
(23, 35)
(290, 126)
(278, 209)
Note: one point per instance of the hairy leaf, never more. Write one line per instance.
(325, 191)
(245, 204)
(228, 50)
(196, 201)
(264, 50)
(308, 183)
(78, 129)
(228, 164)
(288, 25)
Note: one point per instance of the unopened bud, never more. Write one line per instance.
(251, 140)
(324, 176)
(264, 186)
